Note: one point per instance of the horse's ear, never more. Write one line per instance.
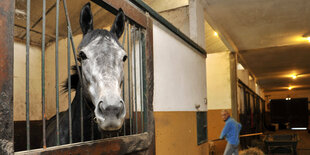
(119, 24)
(86, 19)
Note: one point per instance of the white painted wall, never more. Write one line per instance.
(218, 81)
(179, 73)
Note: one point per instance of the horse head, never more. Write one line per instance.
(102, 58)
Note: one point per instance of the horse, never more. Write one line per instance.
(101, 60)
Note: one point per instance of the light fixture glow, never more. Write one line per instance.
(298, 128)
(215, 33)
(290, 88)
(294, 76)
(308, 39)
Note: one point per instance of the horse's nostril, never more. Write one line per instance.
(100, 103)
(100, 106)
(112, 110)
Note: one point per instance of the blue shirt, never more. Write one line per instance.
(231, 131)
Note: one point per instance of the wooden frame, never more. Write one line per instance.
(143, 143)
(6, 76)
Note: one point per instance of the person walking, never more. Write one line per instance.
(231, 132)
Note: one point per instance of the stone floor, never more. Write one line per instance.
(303, 145)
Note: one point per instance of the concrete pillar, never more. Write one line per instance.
(196, 22)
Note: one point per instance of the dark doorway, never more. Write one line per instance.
(290, 110)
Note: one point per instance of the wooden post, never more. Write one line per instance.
(6, 76)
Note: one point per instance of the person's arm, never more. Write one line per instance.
(224, 131)
(240, 126)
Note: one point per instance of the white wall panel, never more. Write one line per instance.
(179, 73)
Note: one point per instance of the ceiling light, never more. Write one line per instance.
(215, 33)
(306, 36)
(290, 88)
(294, 76)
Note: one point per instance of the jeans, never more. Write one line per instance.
(231, 149)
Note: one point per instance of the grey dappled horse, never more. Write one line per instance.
(101, 57)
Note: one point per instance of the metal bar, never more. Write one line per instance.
(57, 72)
(72, 43)
(248, 88)
(27, 73)
(82, 118)
(69, 87)
(135, 78)
(123, 86)
(141, 77)
(168, 25)
(43, 73)
(78, 70)
(129, 95)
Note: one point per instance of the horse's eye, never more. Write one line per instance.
(82, 55)
(125, 58)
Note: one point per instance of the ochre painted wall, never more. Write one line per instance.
(215, 126)
(19, 82)
(50, 89)
(176, 134)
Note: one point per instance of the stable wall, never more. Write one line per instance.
(19, 82)
(218, 80)
(35, 86)
(179, 17)
(179, 86)
(50, 76)
(220, 93)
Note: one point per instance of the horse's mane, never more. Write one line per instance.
(74, 80)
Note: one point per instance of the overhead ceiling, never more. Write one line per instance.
(268, 36)
(102, 18)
